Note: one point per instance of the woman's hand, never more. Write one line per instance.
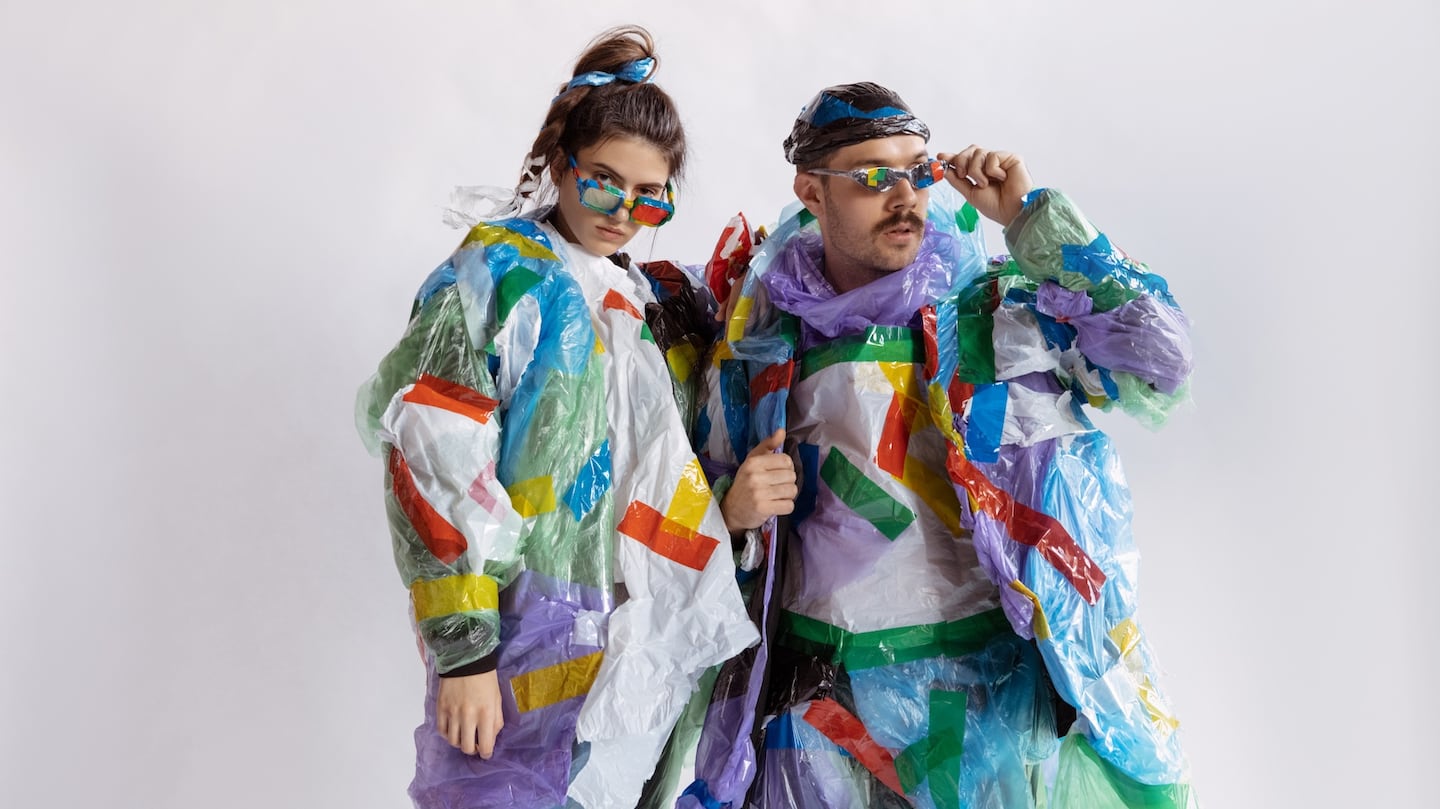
(467, 712)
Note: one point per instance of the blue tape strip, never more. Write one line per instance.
(1098, 261)
(809, 482)
(1106, 381)
(833, 109)
(987, 422)
(700, 791)
(780, 733)
(769, 412)
(591, 482)
(735, 396)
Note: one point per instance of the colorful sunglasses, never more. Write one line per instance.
(920, 175)
(606, 198)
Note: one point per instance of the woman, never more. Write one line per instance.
(565, 557)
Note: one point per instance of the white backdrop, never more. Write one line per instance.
(213, 217)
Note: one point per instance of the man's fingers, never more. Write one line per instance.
(771, 462)
(995, 165)
(774, 441)
(975, 167)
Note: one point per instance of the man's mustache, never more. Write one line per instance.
(905, 218)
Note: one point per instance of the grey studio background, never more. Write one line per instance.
(213, 218)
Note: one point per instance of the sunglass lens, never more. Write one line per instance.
(650, 213)
(600, 199)
(925, 175)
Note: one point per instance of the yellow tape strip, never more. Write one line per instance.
(682, 358)
(1126, 635)
(544, 687)
(1038, 622)
(494, 235)
(466, 593)
(904, 377)
(533, 496)
(735, 329)
(1161, 717)
(721, 351)
(692, 497)
(935, 491)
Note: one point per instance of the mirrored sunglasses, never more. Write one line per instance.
(882, 179)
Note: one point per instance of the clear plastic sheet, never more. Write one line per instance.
(542, 458)
(999, 359)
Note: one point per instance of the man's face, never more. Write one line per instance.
(867, 233)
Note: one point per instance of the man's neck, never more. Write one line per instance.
(845, 276)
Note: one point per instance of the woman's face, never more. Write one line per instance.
(629, 164)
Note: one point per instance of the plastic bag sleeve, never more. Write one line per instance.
(1126, 322)
(434, 410)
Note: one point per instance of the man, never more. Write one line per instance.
(960, 550)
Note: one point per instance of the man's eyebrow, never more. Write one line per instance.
(872, 162)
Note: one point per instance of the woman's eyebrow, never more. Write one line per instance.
(614, 175)
(618, 178)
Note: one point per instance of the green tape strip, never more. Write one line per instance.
(946, 742)
(864, 496)
(513, 286)
(974, 331)
(1132, 793)
(875, 344)
(884, 647)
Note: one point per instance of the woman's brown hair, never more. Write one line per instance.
(587, 115)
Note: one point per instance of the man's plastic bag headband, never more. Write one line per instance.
(829, 121)
(631, 72)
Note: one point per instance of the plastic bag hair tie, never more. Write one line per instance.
(631, 72)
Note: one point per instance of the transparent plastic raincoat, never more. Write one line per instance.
(547, 511)
(961, 545)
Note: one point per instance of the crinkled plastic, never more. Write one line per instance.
(1085, 779)
(947, 468)
(845, 114)
(536, 456)
(731, 258)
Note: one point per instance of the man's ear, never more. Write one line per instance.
(807, 190)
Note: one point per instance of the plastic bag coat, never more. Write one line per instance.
(961, 544)
(536, 456)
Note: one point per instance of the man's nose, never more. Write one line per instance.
(903, 195)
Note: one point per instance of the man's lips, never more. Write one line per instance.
(901, 227)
